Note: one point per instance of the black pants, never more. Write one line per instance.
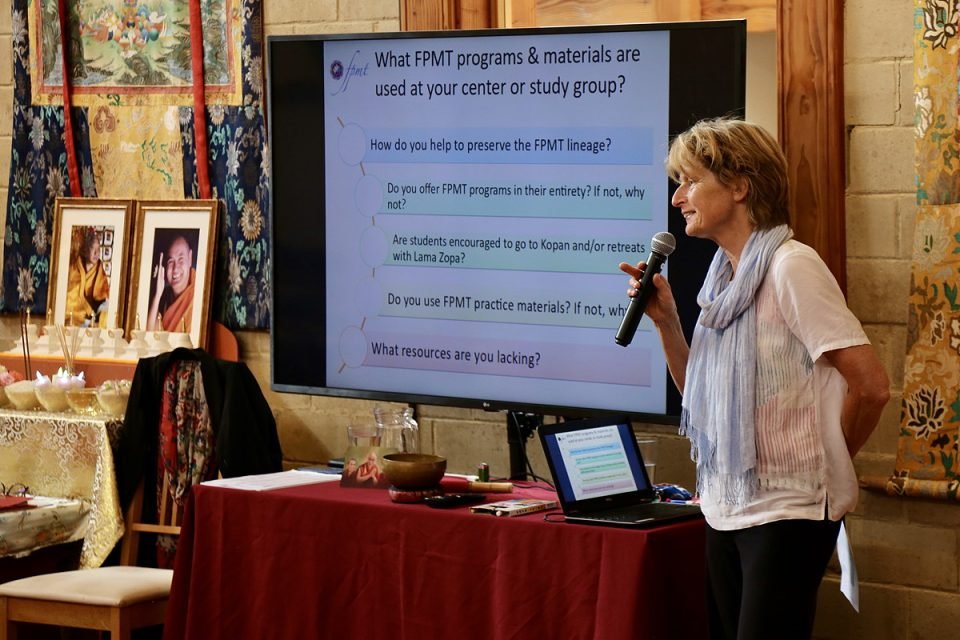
(762, 581)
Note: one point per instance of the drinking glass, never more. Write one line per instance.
(364, 435)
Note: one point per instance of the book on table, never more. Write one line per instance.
(515, 507)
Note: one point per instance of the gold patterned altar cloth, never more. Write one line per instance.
(68, 456)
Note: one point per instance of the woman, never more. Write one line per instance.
(780, 385)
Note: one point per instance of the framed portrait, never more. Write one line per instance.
(89, 262)
(363, 468)
(172, 267)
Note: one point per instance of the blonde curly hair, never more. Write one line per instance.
(733, 149)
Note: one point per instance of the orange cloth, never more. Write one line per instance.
(180, 309)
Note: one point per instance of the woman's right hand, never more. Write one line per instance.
(661, 304)
(662, 310)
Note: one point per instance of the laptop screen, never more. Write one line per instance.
(595, 461)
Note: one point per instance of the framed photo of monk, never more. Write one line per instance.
(89, 261)
(174, 252)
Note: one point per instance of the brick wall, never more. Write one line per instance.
(906, 549)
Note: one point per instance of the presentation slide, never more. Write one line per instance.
(596, 462)
(478, 228)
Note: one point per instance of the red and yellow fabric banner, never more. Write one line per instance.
(165, 101)
(927, 450)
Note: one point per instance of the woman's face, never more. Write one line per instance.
(708, 206)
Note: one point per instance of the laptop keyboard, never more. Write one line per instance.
(637, 514)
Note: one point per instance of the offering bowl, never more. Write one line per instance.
(414, 471)
(22, 394)
(113, 395)
(83, 400)
(52, 397)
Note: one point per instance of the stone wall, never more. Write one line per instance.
(906, 549)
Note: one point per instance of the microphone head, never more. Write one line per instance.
(663, 243)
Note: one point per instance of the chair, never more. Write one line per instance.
(115, 599)
(223, 344)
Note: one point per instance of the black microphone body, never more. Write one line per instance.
(662, 246)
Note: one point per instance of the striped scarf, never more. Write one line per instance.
(719, 397)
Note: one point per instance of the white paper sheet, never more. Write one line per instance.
(849, 584)
(268, 481)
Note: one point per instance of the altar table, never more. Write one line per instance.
(67, 455)
(320, 561)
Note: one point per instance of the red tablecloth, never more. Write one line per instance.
(318, 561)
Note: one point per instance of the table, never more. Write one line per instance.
(67, 455)
(46, 522)
(320, 561)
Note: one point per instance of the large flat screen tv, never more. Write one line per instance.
(449, 209)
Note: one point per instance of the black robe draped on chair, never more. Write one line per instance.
(246, 440)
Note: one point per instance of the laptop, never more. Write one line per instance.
(600, 477)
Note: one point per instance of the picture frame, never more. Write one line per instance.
(90, 290)
(176, 297)
(363, 468)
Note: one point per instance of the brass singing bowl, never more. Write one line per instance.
(414, 471)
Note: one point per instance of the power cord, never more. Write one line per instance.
(524, 426)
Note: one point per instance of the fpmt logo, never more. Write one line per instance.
(345, 74)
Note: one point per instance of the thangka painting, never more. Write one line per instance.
(138, 52)
(132, 99)
(927, 449)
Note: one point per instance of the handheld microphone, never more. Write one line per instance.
(661, 246)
